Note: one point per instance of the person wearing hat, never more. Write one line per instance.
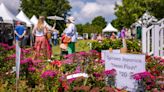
(19, 31)
(70, 31)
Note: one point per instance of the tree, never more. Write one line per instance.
(79, 29)
(131, 10)
(96, 26)
(46, 8)
(99, 21)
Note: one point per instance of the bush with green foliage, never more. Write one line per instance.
(133, 46)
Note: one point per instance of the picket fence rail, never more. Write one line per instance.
(153, 39)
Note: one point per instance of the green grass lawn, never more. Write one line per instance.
(81, 45)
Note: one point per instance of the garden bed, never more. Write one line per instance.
(39, 75)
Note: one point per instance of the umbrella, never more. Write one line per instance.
(55, 17)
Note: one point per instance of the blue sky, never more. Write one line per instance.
(83, 10)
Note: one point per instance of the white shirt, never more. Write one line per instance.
(71, 31)
(39, 32)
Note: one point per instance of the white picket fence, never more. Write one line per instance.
(153, 39)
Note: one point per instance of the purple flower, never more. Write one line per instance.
(48, 74)
(31, 69)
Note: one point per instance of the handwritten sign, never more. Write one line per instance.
(125, 65)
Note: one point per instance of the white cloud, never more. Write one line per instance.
(77, 3)
(89, 10)
(83, 10)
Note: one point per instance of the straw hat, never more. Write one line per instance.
(71, 19)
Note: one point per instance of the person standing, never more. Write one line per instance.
(123, 37)
(19, 31)
(71, 32)
(39, 32)
(55, 37)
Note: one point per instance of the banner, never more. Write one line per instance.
(125, 65)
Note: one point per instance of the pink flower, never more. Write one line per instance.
(78, 70)
(10, 47)
(110, 72)
(31, 69)
(69, 55)
(25, 51)
(48, 74)
(101, 61)
(141, 75)
(162, 60)
(137, 77)
(11, 57)
(4, 45)
(93, 51)
(67, 61)
(71, 80)
(157, 57)
(96, 75)
(27, 60)
(35, 62)
(83, 53)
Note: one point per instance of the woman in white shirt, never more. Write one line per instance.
(39, 32)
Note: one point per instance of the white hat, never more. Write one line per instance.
(71, 19)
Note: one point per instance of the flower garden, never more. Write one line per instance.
(42, 76)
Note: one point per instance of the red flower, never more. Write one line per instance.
(65, 86)
(58, 63)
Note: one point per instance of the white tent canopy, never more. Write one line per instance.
(21, 16)
(110, 28)
(34, 20)
(7, 16)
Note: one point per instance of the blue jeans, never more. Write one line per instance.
(55, 42)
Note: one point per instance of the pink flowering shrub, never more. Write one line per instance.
(42, 76)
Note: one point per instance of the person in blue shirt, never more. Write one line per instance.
(19, 31)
